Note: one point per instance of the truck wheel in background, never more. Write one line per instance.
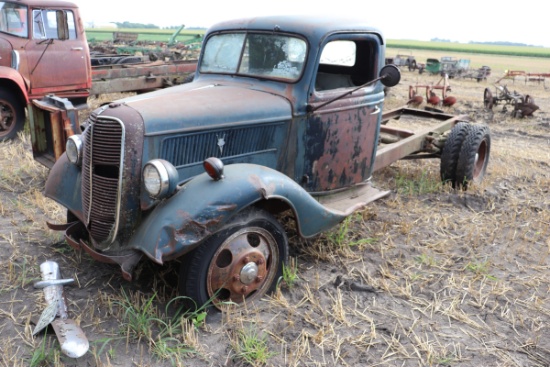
(474, 156)
(451, 152)
(12, 115)
(488, 99)
(240, 263)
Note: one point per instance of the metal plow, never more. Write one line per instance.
(71, 337)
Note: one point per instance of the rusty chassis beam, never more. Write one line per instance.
(414, 142)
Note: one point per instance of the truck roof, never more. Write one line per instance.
(313, 27)
(47, 3)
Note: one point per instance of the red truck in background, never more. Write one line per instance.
(44, 50)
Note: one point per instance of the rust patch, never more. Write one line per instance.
(346, 152)
(265, 190)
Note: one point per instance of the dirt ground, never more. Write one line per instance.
(427, 276)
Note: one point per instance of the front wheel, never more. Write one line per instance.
(12, 115)
(474, 156)
(238, 264)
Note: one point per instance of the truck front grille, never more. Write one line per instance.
(193, 148)
(101, 176)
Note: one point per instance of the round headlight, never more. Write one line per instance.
(159, 178)
(73, 148)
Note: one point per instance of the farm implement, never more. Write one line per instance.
(415, 99)
(527, 77)
(524, 105)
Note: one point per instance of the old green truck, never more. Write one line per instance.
(284, 115)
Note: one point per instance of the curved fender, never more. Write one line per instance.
(16, 77)
(63, 185)
(203, 206)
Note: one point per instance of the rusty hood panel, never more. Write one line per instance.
(200, 105)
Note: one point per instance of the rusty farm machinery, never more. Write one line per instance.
(524, 105)
(415, 98)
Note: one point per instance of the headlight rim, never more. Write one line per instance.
(167, 174)
(77, 141)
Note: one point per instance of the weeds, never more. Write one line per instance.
(340, 237)
(43, 355)
(426, 183)
(140, 316)
(252, 346)
(290, 273)
(480, 268)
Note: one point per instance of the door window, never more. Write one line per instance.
(45, 24)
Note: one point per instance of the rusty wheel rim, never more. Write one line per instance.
(244, 266)
(7, 118)
(480, 160)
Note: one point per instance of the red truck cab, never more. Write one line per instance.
(43, 50)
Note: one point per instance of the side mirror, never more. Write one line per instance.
(62, 25)
(390, 75)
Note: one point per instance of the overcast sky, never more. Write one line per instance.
(461, 21)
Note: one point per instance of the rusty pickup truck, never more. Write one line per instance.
(284, 115)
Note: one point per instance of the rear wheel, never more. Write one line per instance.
(240, 263)
(488, 99)
(451, 152)
(474, 156)
(12, 116)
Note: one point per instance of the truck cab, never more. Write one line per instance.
(43, 49)
(283, 116)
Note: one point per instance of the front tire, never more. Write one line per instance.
(241, 263)
(12, 115)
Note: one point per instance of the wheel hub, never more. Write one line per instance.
(249, 273)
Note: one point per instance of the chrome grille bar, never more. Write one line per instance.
(102, 177)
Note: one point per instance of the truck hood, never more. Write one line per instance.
(199, 105)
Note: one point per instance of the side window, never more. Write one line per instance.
(38, 30)
(347, 64)
(71, 24)
(45, 24)
(335, 66)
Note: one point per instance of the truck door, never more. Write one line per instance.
(342, 131)
(54, 64)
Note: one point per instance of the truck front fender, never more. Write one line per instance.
(63, 185)
(12, 79)
(203, 206)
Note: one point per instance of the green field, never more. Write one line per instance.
(470, 48)
(153, 35)
(186, 36)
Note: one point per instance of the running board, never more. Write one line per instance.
(353, 199)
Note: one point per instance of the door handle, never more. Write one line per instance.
(77, 48)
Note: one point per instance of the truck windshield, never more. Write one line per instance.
(263, 55)
(13, 19)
